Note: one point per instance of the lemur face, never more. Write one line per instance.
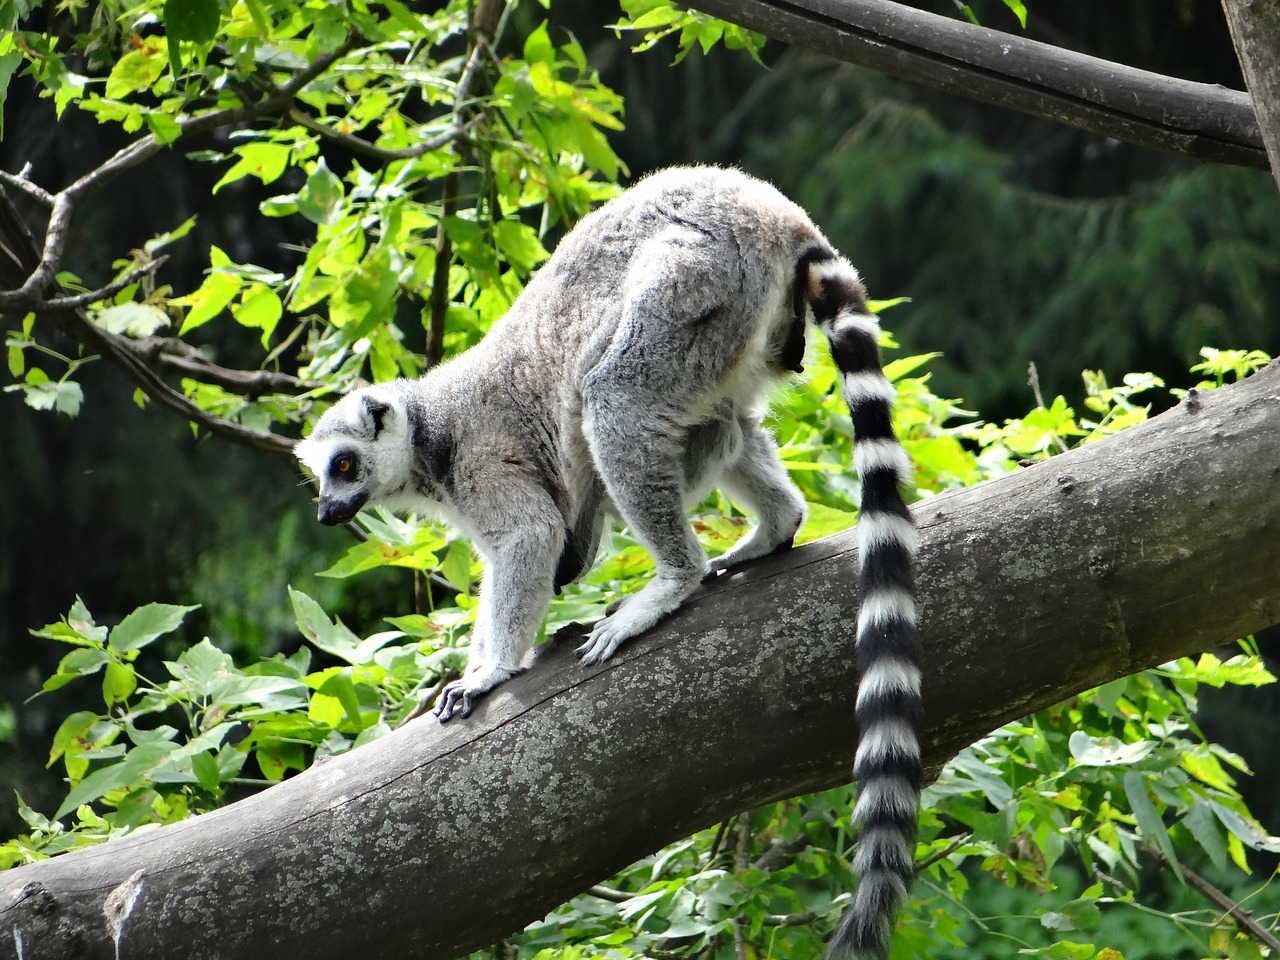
(352, 453)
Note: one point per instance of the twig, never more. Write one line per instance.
(102, 293)
(177, 356)
(1238, 913)
(34, 191)
(438, 301)
(359, 145)
(1033, 378)
(942, 854)
(741, 860)
(782, 852)
(609, 893)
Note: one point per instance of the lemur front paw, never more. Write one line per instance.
(451, 696)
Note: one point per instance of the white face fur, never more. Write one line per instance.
(358, 451)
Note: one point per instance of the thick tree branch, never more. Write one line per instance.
(1255, 32)
(1007, 70)
(436, 840)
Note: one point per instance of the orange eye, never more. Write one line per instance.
(343, 466)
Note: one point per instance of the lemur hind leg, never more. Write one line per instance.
(639, 450)
(758, 482)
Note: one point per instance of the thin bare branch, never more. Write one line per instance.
(34, 191)
(179, 357)
(364, 147)
(102, 293)
(120, 350)
(1239, 914)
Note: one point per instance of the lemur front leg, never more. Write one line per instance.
(520, 553)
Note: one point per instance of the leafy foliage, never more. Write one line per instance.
(409, 144)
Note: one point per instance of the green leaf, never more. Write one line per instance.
(137, 69)
(332, 636)
(132, 319)
(213, 295)
(1149, 821)
(519, 244)
(165, 127)
(320, 200)
(203, 670)
(1019, 11)
(266, 161)
(77, 663)
(326, 709)
(195, 20)
(10, 60)
(456, 565)
(1246, 828)
(538, 48)
(129, 771)
(341, 687)
(1207, 831)
(146, 624)
(41, 393)
(270, 693)
(118, 683)
(72, 730)
(260, 307)
(316, 627)
(1107, 751)
(205, 767)
(77, 628)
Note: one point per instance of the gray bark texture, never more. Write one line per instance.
(1178, 116)
(438, 840)
(1255, 32)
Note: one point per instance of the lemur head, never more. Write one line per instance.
(359, 451)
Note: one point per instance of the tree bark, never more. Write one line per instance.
(1179, 116)
(437, 840)
(1255, 32)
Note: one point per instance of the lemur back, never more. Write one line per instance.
(627, 379)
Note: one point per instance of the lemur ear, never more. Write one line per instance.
(376, 410)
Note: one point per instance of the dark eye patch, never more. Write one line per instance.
(344, 466)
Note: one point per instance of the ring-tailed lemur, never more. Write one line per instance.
(628, 378)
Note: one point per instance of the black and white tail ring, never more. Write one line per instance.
(888, 711)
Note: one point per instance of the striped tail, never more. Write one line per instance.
(889, 710)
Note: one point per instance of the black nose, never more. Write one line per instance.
(335, 512)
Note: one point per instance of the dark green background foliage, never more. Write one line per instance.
(1014, 241)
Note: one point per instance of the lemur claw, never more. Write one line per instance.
(450, 696)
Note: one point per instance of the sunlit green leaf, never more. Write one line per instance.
(146, 624)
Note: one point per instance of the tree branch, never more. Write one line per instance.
(63, 203)
(364, 147)
(181, 358)
(65, 315)
(1255, 33)
(1243, 918)
(437, 840)
(1110, 99)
